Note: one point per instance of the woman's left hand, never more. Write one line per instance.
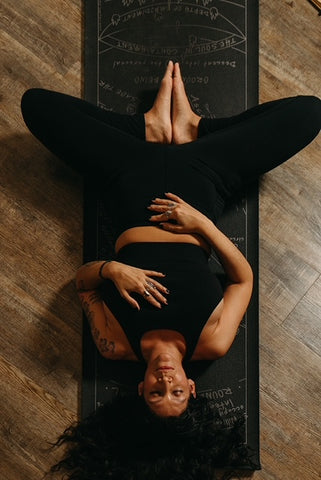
(129, 280)
(187, 218)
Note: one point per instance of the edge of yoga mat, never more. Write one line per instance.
(231, 66)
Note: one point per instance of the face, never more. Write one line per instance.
(165, 388)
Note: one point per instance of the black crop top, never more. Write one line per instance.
(194, 292)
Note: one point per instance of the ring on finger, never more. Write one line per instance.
(168, 213)
(150, 284)
(146, 293)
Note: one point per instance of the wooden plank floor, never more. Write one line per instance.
(41, 247)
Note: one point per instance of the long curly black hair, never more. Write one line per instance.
(124, 439)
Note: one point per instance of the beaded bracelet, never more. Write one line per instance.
(100, 273)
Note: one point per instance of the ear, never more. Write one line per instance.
(192, 387)
(140, 388)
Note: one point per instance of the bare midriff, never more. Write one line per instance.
(155, 234)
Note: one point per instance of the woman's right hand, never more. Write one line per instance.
(173, 208)
(128, 280)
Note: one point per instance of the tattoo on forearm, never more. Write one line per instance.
(89, 313)
(94, 297)
(103, 344)
(95, 333)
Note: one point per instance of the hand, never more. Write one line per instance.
(187, 218)
(130, 279)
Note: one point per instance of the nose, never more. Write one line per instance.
(164, 376)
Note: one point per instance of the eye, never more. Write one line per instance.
(177, 393)
(155, 393)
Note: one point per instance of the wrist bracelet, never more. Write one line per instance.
(100, 273)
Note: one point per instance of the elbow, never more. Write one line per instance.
(221, 349)
(248, 280)
(80, 282)
(243, 276)
(248, 275)
(250, 285)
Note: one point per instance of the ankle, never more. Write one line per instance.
(157, 130)
(186, 130)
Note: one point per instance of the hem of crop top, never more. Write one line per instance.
(153, 234)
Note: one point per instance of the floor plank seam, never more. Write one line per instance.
(300, 300)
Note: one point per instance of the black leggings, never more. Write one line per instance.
(229, 154)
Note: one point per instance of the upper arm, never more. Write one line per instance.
(93, 307)
(236, 299)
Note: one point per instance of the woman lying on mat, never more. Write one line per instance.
(157, 301)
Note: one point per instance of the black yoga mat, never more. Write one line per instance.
(127, 47)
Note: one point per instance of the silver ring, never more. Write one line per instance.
(171, 204)
(150, 284)
(146, 293)
(168, 213)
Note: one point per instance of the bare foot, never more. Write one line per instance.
(184, 120)
(158, 125)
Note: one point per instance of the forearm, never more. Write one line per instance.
(90, 275)
(235, 265)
